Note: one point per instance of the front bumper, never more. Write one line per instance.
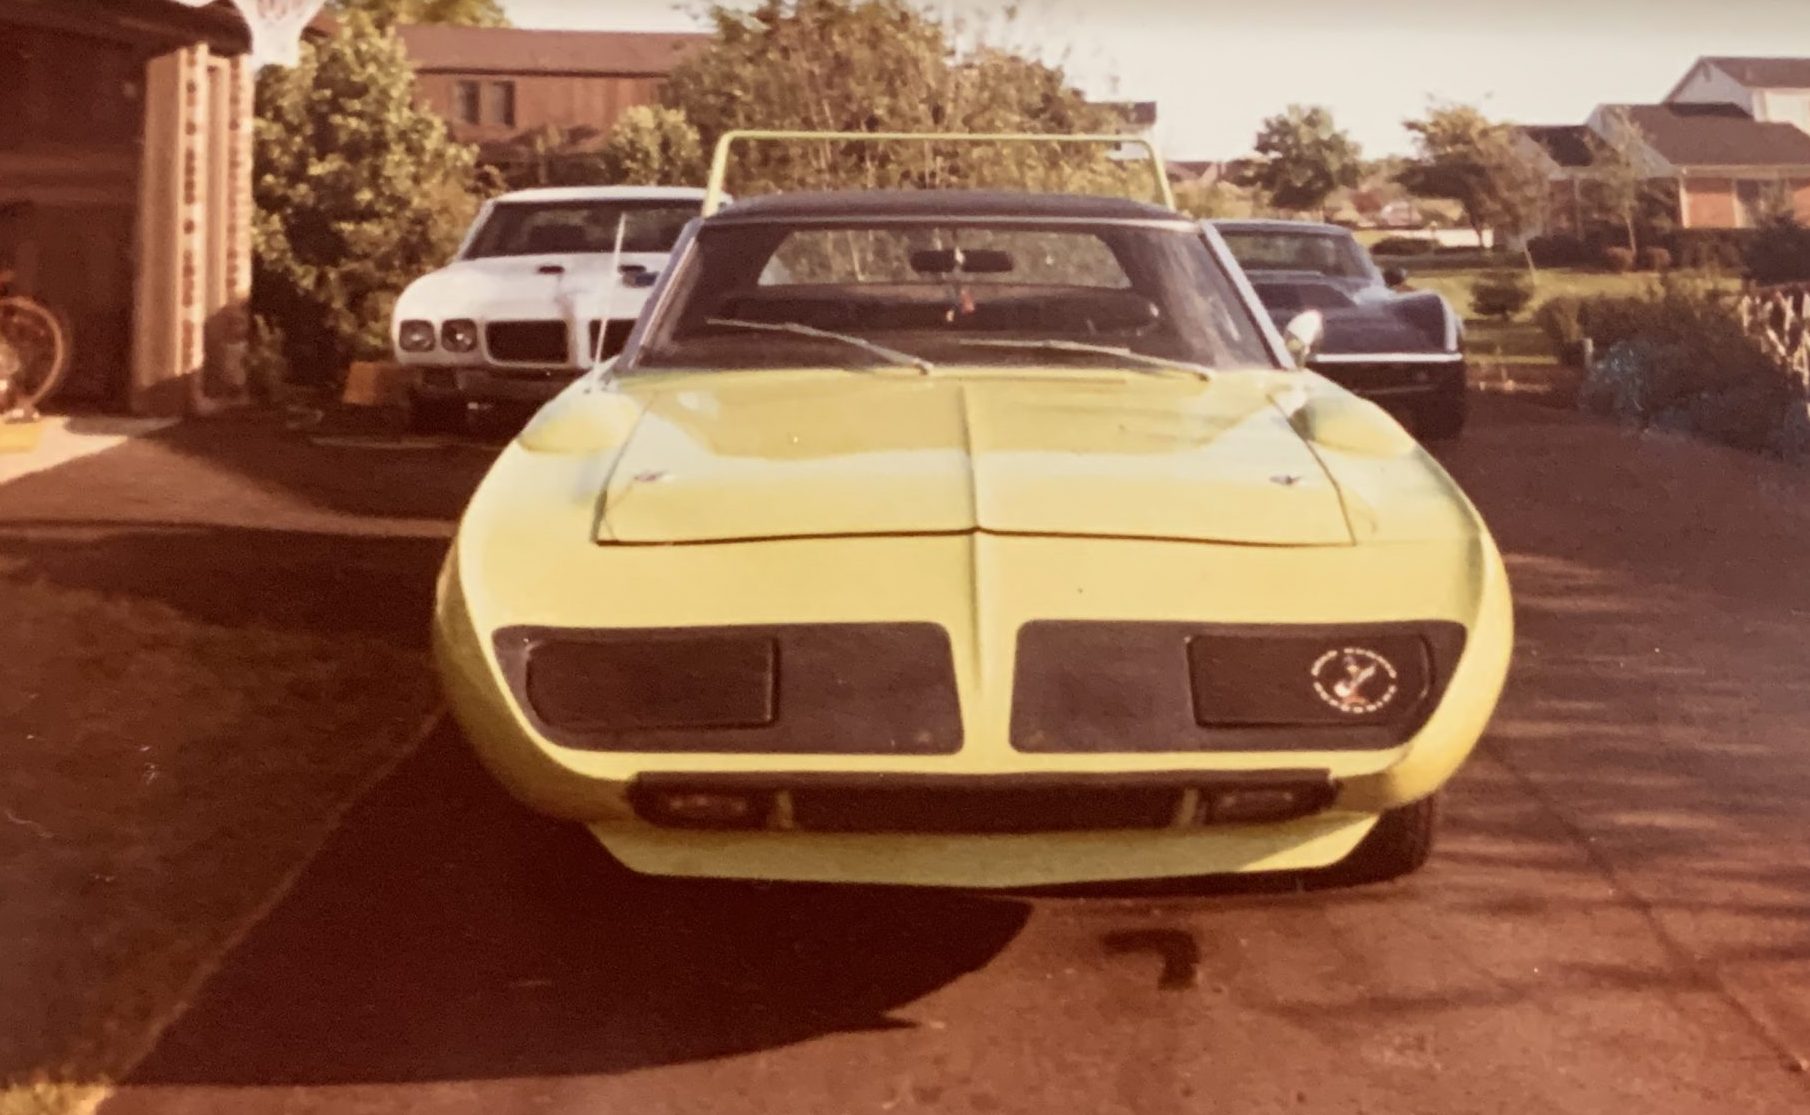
(1390, 378)
(486, 384)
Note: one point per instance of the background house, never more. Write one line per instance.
(499, 86)
(1729, 145)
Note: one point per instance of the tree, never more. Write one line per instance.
(1618, 172)
(465, 13)
(1464, 156)
(358, 192)
(653, 145)
(881, 65)
(1304, 158)
(1450, 161)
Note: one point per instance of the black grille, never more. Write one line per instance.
(527, 342)
(1033, 809)
(613, 338)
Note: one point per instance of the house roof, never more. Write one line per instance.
(1718, 135)
(515, 50)
(1567, 144)
(1764, 73)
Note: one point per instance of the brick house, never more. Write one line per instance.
(1730, 142)
(497, 86)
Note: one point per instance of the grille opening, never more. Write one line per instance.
(614, 337)
(527, 342)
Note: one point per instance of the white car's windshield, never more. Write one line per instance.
(931, 289)
(521, 228)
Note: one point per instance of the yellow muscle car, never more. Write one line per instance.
(977, 539)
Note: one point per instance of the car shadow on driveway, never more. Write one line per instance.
(445, 933)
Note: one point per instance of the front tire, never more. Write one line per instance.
(436, 416)
(1400, 844)
(1442, 416)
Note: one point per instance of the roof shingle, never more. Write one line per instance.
(515, 50)
(1719, 135)
(1766, 73)
(1567, 144)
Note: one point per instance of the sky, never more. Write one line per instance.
(1218, 67)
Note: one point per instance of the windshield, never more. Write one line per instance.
(525, 228)
(1332, 255)
(931, 290)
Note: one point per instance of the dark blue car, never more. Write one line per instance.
(1405, 350)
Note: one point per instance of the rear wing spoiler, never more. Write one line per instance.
(719, 162)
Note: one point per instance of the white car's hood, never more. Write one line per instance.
(537, 287)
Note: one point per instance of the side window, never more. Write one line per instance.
(501, 106)
(467, 102)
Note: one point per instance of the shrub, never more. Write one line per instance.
(1561, 319)
(359, 191)
(1403, 246)
(1501, 294)
(1618, 260)
(1561, 250)
(1656, 259)
(1679, 356)
(1779, 252)
(1710, 249)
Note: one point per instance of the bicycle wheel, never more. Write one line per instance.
(34, 348)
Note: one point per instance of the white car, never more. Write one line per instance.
(535, 294)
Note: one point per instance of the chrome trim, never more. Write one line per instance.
(1387, 358)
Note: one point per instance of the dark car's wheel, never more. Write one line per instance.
(1399, 845)
(436, 416)
(1442, 415)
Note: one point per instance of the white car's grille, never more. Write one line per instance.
(527, 342)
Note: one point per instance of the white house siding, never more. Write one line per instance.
(1786, 106)
(1709, 85)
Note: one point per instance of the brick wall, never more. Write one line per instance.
(1709, 203)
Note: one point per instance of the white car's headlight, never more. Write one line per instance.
(416, 336)
(460, 335)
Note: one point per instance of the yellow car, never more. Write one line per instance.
(971, 539)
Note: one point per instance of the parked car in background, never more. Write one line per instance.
(536, 293)
(1404, 350)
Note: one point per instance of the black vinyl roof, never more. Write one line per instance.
(834, 204)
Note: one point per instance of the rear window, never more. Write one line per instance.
(520, 228)
(1335, 256)
(933, 291)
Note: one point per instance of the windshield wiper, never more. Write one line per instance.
(1137, 358)
(890, 354)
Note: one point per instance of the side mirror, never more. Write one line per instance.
(1394, 277)
(1302, 336)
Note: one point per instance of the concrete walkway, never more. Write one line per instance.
(59, 439)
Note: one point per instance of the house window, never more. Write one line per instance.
(499, 103)
(467, 103)
(1757, 200)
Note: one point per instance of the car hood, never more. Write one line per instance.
(784, 455)
(530, 287)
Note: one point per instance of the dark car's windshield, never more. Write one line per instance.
(523, 228)
(1332, 254)
(934, 291)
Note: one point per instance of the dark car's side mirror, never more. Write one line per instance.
(1394, 277)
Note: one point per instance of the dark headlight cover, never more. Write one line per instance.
(1356, 678)
(715, 681)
